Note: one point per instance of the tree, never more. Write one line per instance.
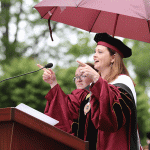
(140, 59)
(143, 114)
(25, 34)
(65, 78)
(29, 89)
(14, 21)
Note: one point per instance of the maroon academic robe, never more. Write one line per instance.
(110, 113)
(108, 117)
(64, 108)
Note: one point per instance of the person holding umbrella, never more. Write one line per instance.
(110, 114)
(113, 108)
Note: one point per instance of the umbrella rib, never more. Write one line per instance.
(95, 21)
(80, 3)
(115, 25)
(148, 22)
(47, 12)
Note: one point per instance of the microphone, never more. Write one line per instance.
(49, 65)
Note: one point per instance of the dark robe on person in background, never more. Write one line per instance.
(110, 124)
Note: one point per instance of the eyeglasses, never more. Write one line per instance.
(82, 77)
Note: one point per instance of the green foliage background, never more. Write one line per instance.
(25, 41)
(29, 89)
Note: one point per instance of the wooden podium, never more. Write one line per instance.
(20, 131)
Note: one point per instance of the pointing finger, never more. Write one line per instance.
(81, 63)
(40, 66)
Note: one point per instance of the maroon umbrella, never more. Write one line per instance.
(124, 18)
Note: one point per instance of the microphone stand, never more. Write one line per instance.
(21, 75)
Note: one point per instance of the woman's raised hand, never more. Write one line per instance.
(49, 76)
(88, 71)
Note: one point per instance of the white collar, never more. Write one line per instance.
(124, 79)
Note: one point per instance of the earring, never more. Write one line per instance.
(111, 64)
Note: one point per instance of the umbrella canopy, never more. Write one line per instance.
(126, 18)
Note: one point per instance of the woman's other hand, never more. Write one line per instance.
(49, 76)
